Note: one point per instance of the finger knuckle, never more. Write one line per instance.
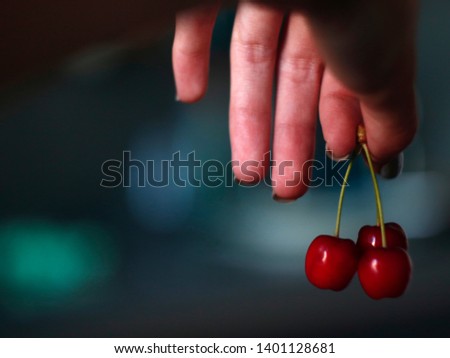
(254, 51)
(300, 68)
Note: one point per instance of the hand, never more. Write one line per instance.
(352, 62)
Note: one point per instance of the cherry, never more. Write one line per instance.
(331, 262)
(384, 272)
(370, 236)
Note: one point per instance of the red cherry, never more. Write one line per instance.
(370, 236)
(384, 272)
(331, 262)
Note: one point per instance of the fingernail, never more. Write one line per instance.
(330, 155)
(177, 99)
(246, 183)
(281, 200)
(393, 168)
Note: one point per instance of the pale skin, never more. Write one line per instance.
(349, 66)
(351, 62)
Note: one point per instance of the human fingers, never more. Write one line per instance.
(371, 50)
(391, 122)
(253, 55)
(340, 114)
(191, 51)
(299, 71)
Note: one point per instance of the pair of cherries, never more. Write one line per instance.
(383, 272)
(379, 256)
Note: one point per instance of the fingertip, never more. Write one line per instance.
(190, 91)
(190, 74)
(340, 114)
(282, 200)
(288, 195)
(290, 182)
(339, 151)
(390, 131)
(191, 52)
(249, 173)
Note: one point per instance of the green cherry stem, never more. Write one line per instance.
(380, 219)
(341, 196)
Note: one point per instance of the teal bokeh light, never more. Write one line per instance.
(43, 262)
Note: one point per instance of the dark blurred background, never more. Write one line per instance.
(79, 260)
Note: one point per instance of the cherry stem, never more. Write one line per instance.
(341, 197)
(380, 219)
